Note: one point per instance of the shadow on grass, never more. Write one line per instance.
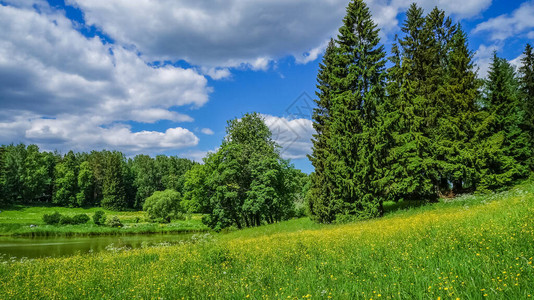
(16, 207)
(391, 206)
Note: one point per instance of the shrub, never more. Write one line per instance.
(99, 218)
(66, 220)
(114, 222)
(164, 205)
(80, 219)
(52, 219)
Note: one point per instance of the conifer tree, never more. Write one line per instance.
(351, 88)
(3, 198)
(66, 181)
(114, 190)
(502, 143)
(409, 171)
(320, 199)
(459, 119)
(526, 80)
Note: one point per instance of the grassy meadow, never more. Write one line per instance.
(470, 247)
(16, 221)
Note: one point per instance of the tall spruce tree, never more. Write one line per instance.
(3, 198)
(501, 142)
(526, 81)
(410, 169)
(113, 184)
(459, 117)
(321, 199)
(351, 87)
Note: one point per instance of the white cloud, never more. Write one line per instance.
(207, 131)
(236, 33)
(84, 87)
(504, 26)
(294, 136)
(228, 33)
(216, 73)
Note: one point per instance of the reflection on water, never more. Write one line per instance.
(55, 247)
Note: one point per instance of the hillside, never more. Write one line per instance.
(469, 247)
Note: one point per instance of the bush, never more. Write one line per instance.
(52, 219)
(80, 219)
(114, 222)
(164, 205)
(99, 218)
(66, 220)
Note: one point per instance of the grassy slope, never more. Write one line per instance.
(16, 220)
(469, 248)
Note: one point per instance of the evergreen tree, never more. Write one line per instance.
(66, 181)
(322, 202)
(526, 81)
(3, 198)
(14, 172)
(96, 161)
(351, 87)
(410, 167)
(502, 144)
(146, 181)
(85, 185)
(457, 124)
(113, 186)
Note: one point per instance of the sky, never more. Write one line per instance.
(164, 76)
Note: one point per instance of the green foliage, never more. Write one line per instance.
(52, 219)
(65, 184)
(164, 205)
(99, 218)
(245, 183)
(3, 198)
(58, 219)
(401, 256)
(526, 85)
(85, 185)
(346, 154)
(80, 219)
(504, 146)
(114, 189)
(114, 222)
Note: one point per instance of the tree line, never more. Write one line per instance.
(418, 124)
(100, 178)
(244, 183)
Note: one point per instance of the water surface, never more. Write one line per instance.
(37, 247)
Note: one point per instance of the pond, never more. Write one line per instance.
(20, 247)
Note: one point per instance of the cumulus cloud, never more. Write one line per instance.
(520, 21)
(241, 33)
(293, 135)
(60, 87)
(229, 33)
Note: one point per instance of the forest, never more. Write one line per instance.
(417, 125)
(245, 183)
(422, 188)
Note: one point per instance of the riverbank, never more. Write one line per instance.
(470, 247)
(26, 221)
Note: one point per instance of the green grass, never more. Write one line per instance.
(16, 221)
(470, 247)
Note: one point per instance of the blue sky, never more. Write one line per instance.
(163, 77)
